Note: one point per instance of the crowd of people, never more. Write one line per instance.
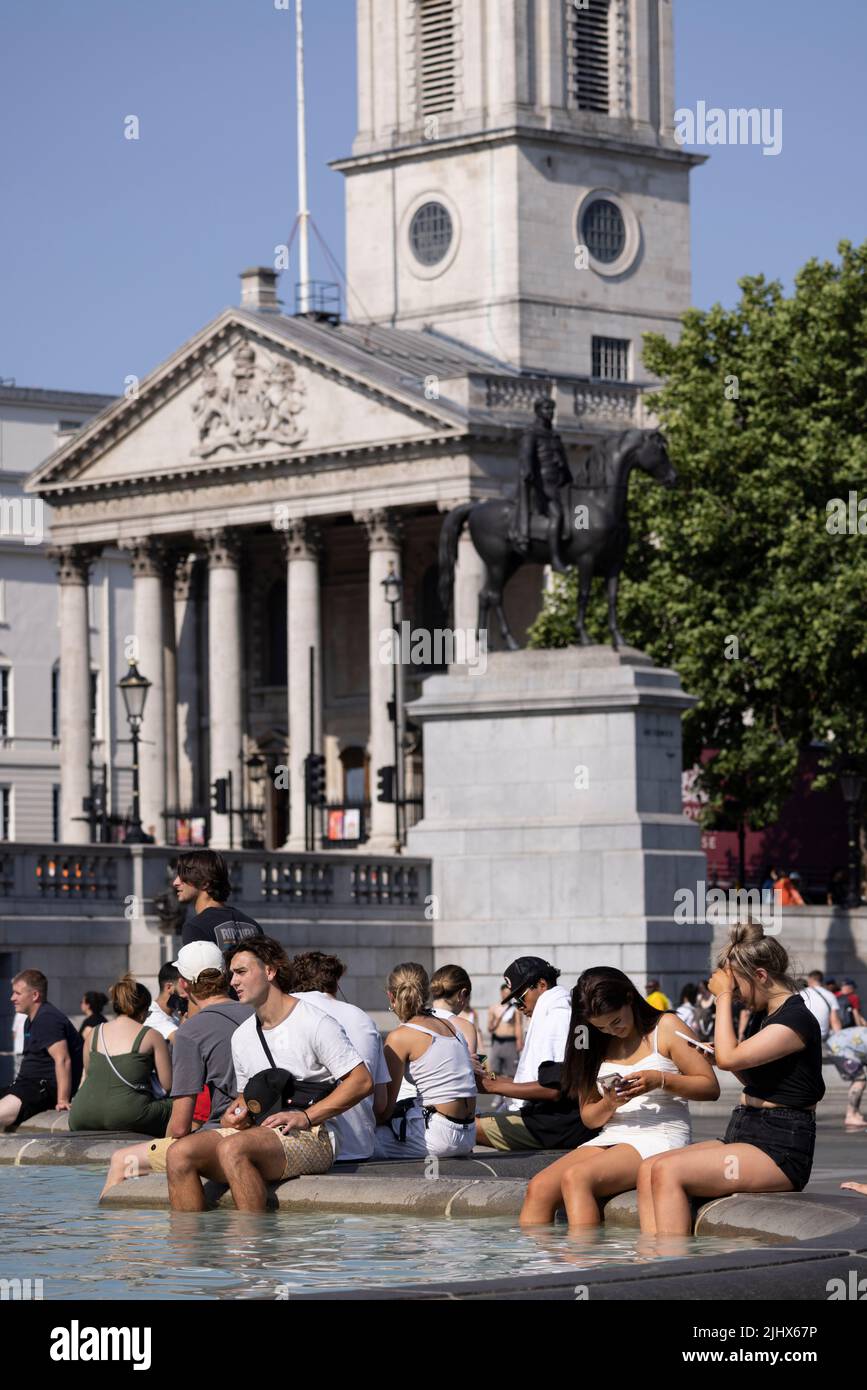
(249, 1068)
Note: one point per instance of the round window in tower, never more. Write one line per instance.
(603, 231)
(430, 233)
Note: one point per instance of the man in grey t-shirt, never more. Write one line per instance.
(201, 1057)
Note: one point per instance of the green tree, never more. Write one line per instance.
(739, 578)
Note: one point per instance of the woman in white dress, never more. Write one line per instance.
(632, 1078)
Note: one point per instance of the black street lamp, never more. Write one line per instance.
(134, 688)
(393, 587)
(851, 784)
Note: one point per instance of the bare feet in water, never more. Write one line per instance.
(856, 1187)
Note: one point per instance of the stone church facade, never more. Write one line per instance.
(517, 217)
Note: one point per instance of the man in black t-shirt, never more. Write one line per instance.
(202, 879)
(52, 1059)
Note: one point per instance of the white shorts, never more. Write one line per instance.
(648, 1139)
(446, 1139)
(386, 1144)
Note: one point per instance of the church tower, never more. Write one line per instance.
(515, 183)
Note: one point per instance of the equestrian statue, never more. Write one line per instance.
(557, 519)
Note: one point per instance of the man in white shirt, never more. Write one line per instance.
(822, 1004)
(285, 1034)
(161, 1014)
(317, 980)
(540, 1118)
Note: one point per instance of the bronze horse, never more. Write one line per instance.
(598, 530)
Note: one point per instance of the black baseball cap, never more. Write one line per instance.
(524, 972)
(267, 1092)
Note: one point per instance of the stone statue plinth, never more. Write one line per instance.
(553, 816)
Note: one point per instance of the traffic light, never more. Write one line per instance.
(385, 784)
(314, 779)
(220, 795)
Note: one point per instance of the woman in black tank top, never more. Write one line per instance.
(769, 1143)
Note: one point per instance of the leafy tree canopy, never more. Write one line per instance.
(746, 578)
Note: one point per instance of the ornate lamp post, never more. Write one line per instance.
(393, 587)
(134, 688)
(851, 784)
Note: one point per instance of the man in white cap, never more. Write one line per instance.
(201, 1057)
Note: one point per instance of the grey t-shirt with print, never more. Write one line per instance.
(202, 1054)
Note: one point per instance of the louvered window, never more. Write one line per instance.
(589, 54)
(437, 55)
(611, 359)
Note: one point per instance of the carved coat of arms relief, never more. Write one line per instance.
(251, 403)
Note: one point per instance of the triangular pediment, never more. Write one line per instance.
(243, 392)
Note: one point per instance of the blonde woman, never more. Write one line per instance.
(769, 1143)
(430, 1053)
(450, 988)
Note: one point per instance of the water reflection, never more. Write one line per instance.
(82, 1250)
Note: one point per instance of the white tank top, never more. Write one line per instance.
(449, 1018)
(655, 1105)
(444, 1072)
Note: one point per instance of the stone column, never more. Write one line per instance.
(302, 543)
(148, 569)
(170, 676)
(383, 537)
(73, 564)
(225, 657)
(186, 648)
(469, 574)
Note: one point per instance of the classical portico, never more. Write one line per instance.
(263, 482)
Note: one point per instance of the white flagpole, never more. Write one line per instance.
(303, 209)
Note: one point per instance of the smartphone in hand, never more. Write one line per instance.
(694, 1042)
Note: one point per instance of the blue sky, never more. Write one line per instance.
(113, 252)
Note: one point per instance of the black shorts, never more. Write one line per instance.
(35, 1096)
(787, 1136)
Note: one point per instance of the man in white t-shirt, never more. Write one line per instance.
(822, 1004)
(161, 1015)
(284, 1033)
(317, 980)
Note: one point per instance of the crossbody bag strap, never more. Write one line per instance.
(265, 1048)
(131, 1084)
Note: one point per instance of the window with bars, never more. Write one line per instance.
(589, 55)
(430, 233)
(437, 47)
(611, 359)
(5, 683)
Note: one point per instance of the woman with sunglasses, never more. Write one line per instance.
(631, 1075)
(768, 1145)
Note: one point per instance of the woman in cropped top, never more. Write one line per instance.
(768, 1145)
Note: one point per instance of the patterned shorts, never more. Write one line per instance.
(307, 1151)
